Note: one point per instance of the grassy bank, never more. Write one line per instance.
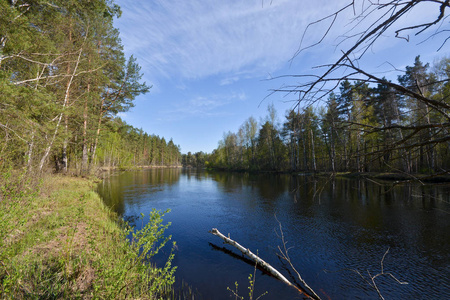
(60, 241)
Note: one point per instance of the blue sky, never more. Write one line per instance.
(209, 61)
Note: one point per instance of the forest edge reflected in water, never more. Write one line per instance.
(342, 224)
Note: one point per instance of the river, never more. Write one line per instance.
(335, 228)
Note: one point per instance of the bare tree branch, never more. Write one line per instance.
(284, 254)
(370, 280)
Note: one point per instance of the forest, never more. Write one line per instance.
(361, 127)
(64, 77)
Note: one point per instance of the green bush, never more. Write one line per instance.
(133, 275)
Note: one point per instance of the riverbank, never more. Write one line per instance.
(384, 176)
(139, 167)
(63, 242)
(104, 172)
(391, 176)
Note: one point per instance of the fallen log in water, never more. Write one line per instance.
(274, 272)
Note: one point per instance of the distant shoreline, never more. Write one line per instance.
(384, 176)
(120, 168)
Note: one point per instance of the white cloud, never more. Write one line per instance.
(198, 38)
(203, 107)
(229, 80)
(195, 39)
(242, 96)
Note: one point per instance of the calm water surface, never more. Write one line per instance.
(333, 227)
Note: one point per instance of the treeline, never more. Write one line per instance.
(123, 145)
(196, 160)
(63, 79)
(361, 128)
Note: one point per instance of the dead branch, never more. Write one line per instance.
(284, 254)
(385, 16)
(371, 279)
(405, 91)
(333, 18)
(274, 272)
(374, 34)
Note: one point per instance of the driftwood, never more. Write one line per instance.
(259, 261)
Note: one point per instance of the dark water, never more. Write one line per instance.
(335, 225)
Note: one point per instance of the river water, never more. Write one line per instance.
(335, 228)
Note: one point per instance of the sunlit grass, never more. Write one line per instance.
(63, 242)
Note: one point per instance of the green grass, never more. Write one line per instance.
(63, 242)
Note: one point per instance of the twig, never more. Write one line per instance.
(285, 256)
(371, 279)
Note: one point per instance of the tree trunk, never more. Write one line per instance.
(313, 152)
(97, 134)
(66, 142)
(66, 120)
(66, 99)
(358, 152)
(85, 158)
(333, 151)
(274, 272)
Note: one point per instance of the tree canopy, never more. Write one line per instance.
(63, 79)
(409, 117)
(362, 127)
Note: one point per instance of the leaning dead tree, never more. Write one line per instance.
(260, 262)
(370, 22)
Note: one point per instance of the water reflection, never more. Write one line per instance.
(334, 224)
(133, 184)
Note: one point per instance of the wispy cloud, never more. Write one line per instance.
(194, 39)
(229, 80)
(198, 38)
(203, 107)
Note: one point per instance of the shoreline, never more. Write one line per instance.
(384, 176)
(398, 177)
(104, 169)
(63, 242)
